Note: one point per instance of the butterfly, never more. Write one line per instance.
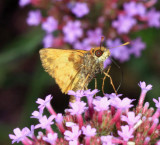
(74, 69)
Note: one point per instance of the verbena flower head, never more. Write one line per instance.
(109, 121)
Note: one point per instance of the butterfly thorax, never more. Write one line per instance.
(92, 64)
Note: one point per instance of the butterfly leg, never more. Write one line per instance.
(105, 78)
(111, 81)
(103, 84)
(95, 83)
(83, 85)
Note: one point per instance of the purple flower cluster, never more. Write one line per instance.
(79, 25)
(107, 120)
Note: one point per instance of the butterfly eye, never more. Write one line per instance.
(98, 53)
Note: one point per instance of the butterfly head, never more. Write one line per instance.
(100, 53)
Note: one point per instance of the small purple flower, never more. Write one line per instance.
(37, 114)
(34, 18)
(132, 8)
(137, 46)
(44, 103)
(44, 122)
(89, 93)
(144, 90)
(50, 25)
(107, 140)
(157, 103)
(126, 133)
(72, 135)
(153, 18)
(131, 119)
(51, 138)
(78, 94)
(19, 135)
(72, 31)
(101, 104)
(77, 107)
(80, 9)
(48, 40)
(88, 131)
(118, 52)
(124, 24)
(122, 104)
(144, 87)
(23, 3)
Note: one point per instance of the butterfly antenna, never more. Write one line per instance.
(121, 45)
(102, 38)
(121, 73)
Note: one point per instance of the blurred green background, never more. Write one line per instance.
(23, 80)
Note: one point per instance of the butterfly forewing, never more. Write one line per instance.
(63, 65)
